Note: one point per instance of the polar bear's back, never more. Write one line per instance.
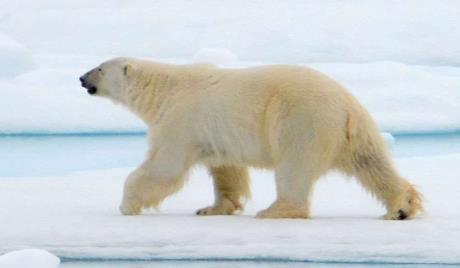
(298, 90)
(253, 112)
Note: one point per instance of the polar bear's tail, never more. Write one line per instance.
(367, 158)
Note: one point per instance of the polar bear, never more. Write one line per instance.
(289, 118)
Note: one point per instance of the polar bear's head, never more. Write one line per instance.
(109, 79)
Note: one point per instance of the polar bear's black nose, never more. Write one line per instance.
(82, 79)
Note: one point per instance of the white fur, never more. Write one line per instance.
(289, 118)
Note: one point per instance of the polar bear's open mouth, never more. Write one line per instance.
(89, 88)
(92, 90)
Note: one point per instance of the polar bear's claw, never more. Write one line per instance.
(224, 207)
(401, 215)
(204, 211)
(208, 211)
(407, 206)
(215, 210)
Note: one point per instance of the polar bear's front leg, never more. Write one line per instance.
(231, 184)
(157, 178)
(132, 202)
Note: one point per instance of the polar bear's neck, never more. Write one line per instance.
(152, 88)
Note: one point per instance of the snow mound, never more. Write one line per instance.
(406, 87)
(52, 101)
(390, 139)
(15, 58)
(218, 56)
(401, 97)
(291, 31)
(29, 258)
(398, 96)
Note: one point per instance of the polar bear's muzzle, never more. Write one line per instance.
(91, 89)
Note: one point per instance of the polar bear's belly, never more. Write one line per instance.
(225, 150)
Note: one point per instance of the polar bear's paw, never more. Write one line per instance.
(283, 210)
(276, 214)
(214, 210)
(130, 208)
(407, 206)
(224, 207)
(399, 215)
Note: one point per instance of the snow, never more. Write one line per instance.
(282, 31)
(50, 99)
(217, 56)
(29, 258)
(76, 216)
(400, 59)
(390, 139)
(403, 98)
(398, 66)
(15, 58)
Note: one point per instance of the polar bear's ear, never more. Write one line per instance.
(127, 69)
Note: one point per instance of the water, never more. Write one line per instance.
(238, 264)
(58, 155)
(423, 145)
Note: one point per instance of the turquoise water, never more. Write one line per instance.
(30, 155)
(55, 155)
(427, 144)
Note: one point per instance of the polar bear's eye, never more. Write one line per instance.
(99, 69)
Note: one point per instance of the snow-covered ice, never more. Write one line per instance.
(29, 258)
(400, 59)
(402, 98)
(399, 66)
(77, 216)
(217, 56)
(50, 100)
(415, 32)
(14, 57)
(388, 138)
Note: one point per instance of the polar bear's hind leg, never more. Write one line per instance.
(378, 176)
(368, 160)
(296, 174)
(231, 185)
